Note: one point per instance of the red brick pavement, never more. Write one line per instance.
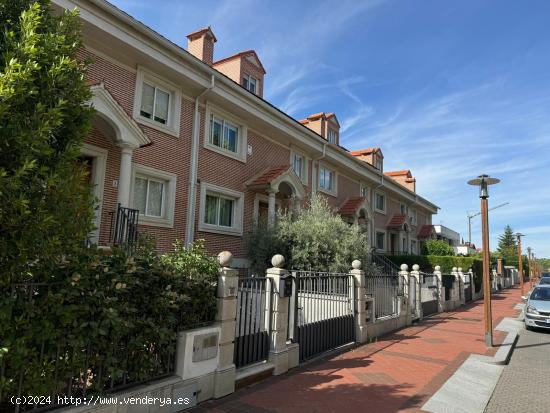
(398, 373)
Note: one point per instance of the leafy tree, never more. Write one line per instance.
(437, 247)
(507, 246)
(46, 207)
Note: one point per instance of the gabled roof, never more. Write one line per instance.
(199, 33)
(351, 205)
(240, 55)
(397, 221)
(268, 175)
(367, 151)
(406, 172)
(320, 115)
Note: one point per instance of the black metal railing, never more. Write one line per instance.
(76, 367)
(253, 324)
(383, 263)
(386, 291)
(124, 227)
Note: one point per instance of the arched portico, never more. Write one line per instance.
(358, 211)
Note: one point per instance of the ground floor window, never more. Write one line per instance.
(149, 196)
(221, 210)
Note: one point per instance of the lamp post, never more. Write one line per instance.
(520, 262)
(483, 181)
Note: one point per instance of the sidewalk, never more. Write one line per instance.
(524, 385)
(400, 372)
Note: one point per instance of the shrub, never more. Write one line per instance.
(437, 247)
(314, 238)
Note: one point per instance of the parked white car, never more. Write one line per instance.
(537, 308)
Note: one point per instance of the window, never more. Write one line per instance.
(365, 192)
(412, 216)
(377, 162)
(154, 103)
(149, 196)
(154, 194)
(298, 164)
(403, 209)
(413, 247)
(380, 202)
(157, 103)
(332, 136)
(327, 180)
(250, 83)
(223, 134)
(380, 240)
(405, 245)
(221, 210)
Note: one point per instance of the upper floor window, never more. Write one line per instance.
(250, 83)
(332, 136)
(403, 209)
(377, 162)
(327, 180)
(154, 103)
(380, 202)
(224, 134)
(412, 216)
(365, 192)
(298, 164)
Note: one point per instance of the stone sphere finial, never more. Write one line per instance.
(437, 268)
(416, 267)
(356, 265)
(454, 269)
(459, 269)
(225, 258)
(278, 261)
(404, 267)
(469, 270)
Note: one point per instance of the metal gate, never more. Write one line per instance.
(429, 294)
(413, 297)
(253, 324)
(323, 312)
(467, 287)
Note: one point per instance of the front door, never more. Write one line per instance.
(393, 243)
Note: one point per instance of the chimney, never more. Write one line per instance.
(324, 124)
(403, 178)
(201, 45)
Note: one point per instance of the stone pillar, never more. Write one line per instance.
(271, 209)
(280, 354)
(440, 289)
(460, 278)
(404, 272)
(360, 302)
(224, 377)
(416, 274)
(125, 176)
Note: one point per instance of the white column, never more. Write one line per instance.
(460, 282)
(440, 289)
(271, 210)
(404, 272)
(125, 176)
(360, 302)
(416, 274)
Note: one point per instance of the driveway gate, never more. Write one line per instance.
(253, 324)
(429, 294)
(467, 287)
(322, 312)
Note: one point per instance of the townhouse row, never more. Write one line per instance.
(191, 144)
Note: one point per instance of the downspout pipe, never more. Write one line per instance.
(192, 192)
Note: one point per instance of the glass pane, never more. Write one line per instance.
(298, 165)
(252, 85)
(226, 212)
(245, 82)
(154, 201)
(211, 210)
(161, 106)
(230, 138)
(215, 139)
(331, 181)
(140, 194)
(147, 100)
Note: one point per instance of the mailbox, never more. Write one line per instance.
(285, 285)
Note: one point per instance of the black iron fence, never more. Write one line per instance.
(386, 291)
(253, 324)
(124, 227)
(56, 357)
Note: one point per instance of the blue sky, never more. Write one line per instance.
(447, 89)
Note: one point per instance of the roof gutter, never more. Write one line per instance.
(192, 187)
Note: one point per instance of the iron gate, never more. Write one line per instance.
(429, 294)
(467, 287)
(323, 312)
(253, 324)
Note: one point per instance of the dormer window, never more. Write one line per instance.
(333, 136)
(378, 163)
(250, 83)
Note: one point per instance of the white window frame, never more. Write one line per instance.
(333, 191)
(248, 76)
(362, 190)
(402, 207)
(382, 211)
(380, 231)
(413, 216)
(242, 132)
(238, 210)
(172, 126)
(305, 164)
(335, 134)
(169, 195)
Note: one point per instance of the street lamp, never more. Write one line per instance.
(483, 181)
(520, 262)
